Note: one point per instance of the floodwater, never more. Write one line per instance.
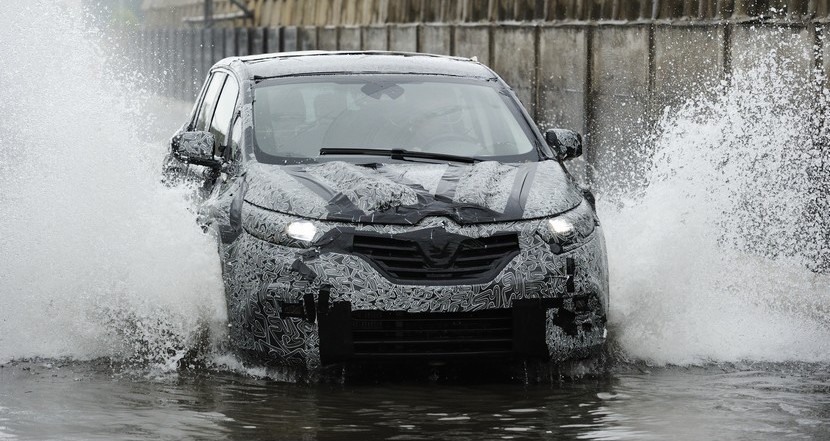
(720, 313)
(74, 400)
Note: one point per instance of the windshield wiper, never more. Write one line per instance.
(399, 154)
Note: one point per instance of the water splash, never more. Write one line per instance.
(714, 259)
(710, 261)
(99, 258)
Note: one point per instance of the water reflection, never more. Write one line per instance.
(421, 411)
(93, 400)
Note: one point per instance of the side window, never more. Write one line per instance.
(220, 125)
(209, 102)
(233, 152)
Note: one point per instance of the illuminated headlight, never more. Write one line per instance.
(280, 228)
(560, 226)
(301, 230)
(570, 229)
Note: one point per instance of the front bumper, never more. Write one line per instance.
(290, 306)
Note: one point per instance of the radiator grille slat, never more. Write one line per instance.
(473, 260)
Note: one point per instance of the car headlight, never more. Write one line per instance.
(279, 228)
(570, 229)
(560, 226)
(302, 231)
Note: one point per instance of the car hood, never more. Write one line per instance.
(406, 193)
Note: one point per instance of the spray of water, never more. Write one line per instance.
(713, 260)
(99, 259)
(718, 258)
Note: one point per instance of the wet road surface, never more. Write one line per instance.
(93, 400)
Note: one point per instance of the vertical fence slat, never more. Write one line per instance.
(307, 38)
(290, 39)
(230, 42)
(243, 42)
(269, 13)
(257, 41)
(272, 39)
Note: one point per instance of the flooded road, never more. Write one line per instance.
(53, 400)
(720, 320)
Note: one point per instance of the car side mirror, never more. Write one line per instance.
(196, 148)
(567, 144)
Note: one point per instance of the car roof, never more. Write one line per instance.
(284, 64)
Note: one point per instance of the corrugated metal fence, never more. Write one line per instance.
(173, 13)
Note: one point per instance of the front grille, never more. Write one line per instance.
(464, 260)
(448, 334)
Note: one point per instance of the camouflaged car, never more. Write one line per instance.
(392, 206)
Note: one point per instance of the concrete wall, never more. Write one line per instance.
(514, 58)
(472, 41)
(610, 81)
(403, 38)
(375, 38)
(349, 39)
(619, 105)
(563, 81)
(435, 39)
(688, 60)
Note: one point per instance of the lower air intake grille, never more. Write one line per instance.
(450, 334)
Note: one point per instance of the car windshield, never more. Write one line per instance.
(295, 118)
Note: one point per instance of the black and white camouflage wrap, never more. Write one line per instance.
(250, 204)
(195, 145)
(263, 266)
(407, 193)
